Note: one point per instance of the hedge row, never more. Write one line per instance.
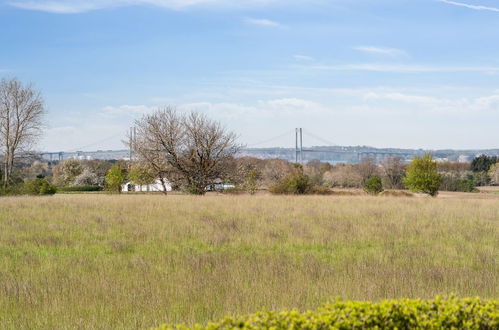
(79, 188)
(447, 313)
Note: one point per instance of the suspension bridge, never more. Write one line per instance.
(317, 148)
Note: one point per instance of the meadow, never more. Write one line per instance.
(138, 261)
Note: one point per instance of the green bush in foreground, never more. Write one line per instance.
(448, 313)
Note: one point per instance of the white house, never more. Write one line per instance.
(220, 185)
(157, 186)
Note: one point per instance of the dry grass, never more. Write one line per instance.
(103, 262)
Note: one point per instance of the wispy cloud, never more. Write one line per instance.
(262, 22)
(126, 110)
(63, 7)
(380, 50)
(470, 6)
(406, 68)
(81, 6)
(303, 57)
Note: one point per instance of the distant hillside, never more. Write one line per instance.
(333, 154)
(352, 155)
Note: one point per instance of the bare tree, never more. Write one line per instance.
(344, 176)
(189, 150)
(394, 172)
(367, 168)
(21, 115)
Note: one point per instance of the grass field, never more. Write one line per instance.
(98, 261)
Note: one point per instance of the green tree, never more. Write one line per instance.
(140, 175)
(373, 185)
(483, 163)
(422, 176)
(115, 177)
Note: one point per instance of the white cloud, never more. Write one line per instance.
(80, 6)
(262, 22)
(303, 57)
(126, 110)
(431, 105)
(263, 109)
(295, 106)
(63, 7)
(332, 113)
(380, 50)
(405, 68)
(470, 6)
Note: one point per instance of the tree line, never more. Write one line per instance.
(189, 152)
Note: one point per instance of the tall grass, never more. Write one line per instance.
(105, 262)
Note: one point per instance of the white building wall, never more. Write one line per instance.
(154, 187)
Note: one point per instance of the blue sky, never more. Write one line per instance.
(385, 73)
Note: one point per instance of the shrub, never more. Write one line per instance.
(449, 313)
(466, 185)
(373, 185)
(296, 183)
(39, 186)
(321, 190)
(11, 190)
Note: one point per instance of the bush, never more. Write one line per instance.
(450, 313)
(373, 185)
(79, 188)
(296, 183)
(321, 190)
(11, 190)
(466, 185)
(39, 186)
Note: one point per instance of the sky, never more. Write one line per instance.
(383, 73)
